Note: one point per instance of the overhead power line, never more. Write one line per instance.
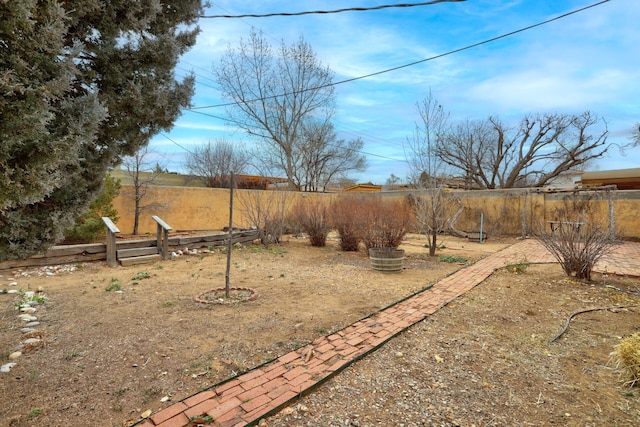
(323, 12)
(388, 70)
(179, 145)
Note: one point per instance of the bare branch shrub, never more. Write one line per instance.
(312, 216)
(384, 223)
(430, 207)
(266, 211)
(344, 214)
(577, 240)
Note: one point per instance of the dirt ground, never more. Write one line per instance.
(108, 356)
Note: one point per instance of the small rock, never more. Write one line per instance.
(27, 317)
(31, 324)
(31, 341)
(164, 399)
(12, 291)
(27, 330)
(399, 354)
(7, 367)
(15, 355)
(13, 284)
(146, 414)
(27, 309)
(288, 410)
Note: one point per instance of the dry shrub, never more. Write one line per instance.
(267, 213)
(578, 246)
(384, 223)
(312, 217)
(627, 357)
(345, 214)
(376, 222)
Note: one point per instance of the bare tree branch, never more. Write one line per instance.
(213, 163)
(274, 91)
(489, 154)
(142, 176)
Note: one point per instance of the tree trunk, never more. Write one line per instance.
(433, 244)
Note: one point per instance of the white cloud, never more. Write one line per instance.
(587, 61)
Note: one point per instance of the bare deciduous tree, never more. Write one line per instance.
(212, 163)
(428, 201)
(635, 138)
(320, 157)
(421, 148)
(142, 176)
(489, 154)
(393, 180)
(272, 91)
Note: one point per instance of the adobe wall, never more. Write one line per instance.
(189, 208)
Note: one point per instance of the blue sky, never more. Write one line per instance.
(587, 61)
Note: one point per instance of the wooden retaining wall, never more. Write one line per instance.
(74, 254)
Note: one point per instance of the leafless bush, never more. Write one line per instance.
(344, 219)
(577, 242)
(378, 223)
(266, 211)
(384, 223)
(312, 217)
(430, 207)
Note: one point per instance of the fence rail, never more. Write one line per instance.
(74, 254)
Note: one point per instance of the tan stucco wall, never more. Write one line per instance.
(187, 208)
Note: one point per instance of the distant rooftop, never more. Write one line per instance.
(623, 179)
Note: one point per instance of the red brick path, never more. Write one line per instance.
(245, 399)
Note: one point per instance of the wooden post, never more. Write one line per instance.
(230, 246)
(112, 230)
(612, 213)
(524, 216)
(162, 237)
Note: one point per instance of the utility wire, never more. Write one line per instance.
(192, 110)
(324, 12)
(222, 118)
(388, 70)
(179, 145)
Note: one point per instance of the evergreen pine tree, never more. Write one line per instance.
(83, 83)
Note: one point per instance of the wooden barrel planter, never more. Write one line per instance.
(387, 260)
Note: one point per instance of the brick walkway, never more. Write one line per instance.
(245, 399)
